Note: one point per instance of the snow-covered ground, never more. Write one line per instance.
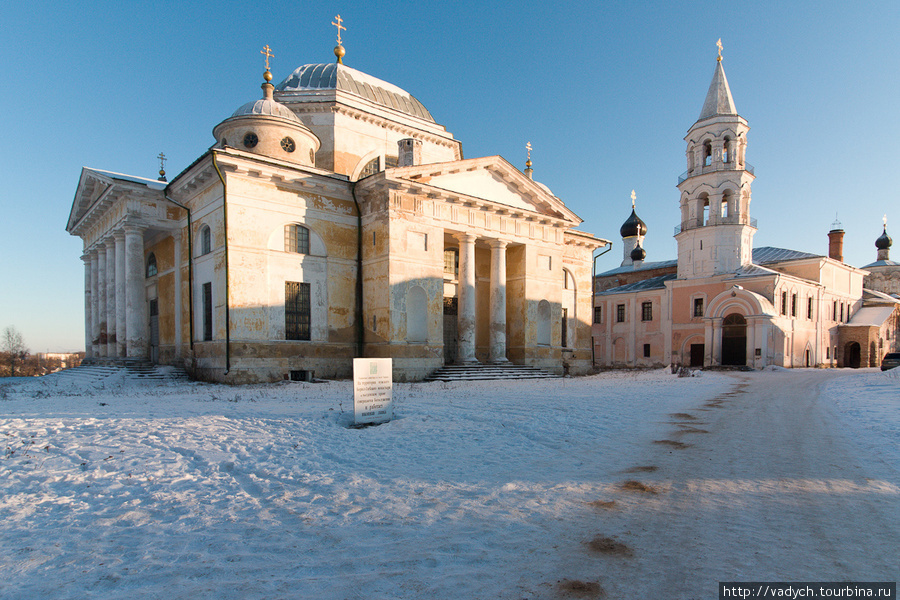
(523, 490)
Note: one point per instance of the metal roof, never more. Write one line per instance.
(770, 254)
(639, 286)
(334, 76)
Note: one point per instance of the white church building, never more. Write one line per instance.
(333, 218)
(722, 302)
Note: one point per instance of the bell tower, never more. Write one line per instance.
(716, 231)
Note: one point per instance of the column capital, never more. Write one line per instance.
(465, 238)
(119, 234)
(499, 244)
(131, 228)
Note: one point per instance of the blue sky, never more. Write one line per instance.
(604, 91)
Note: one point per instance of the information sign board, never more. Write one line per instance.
(372, 390)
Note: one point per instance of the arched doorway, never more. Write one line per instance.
(852, 355)
(734, 340)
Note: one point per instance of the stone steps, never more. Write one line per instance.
(480, 372)
(98, 369)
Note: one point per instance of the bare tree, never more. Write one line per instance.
(14, 348)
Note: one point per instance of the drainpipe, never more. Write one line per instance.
(225, 226)
(190, 266)
(360, 326)
(594, 299)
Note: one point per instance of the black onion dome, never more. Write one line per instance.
(638, 254)
(884, 241)
(633, 226)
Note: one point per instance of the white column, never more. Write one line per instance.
(88, 326)
(466, 316)
(111, 297)
(121, 329)
(95, 305)
(135, 294)
(101, 299)
(716, 342)
(498, 302)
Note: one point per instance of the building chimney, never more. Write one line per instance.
(836, 241)
(409, 152)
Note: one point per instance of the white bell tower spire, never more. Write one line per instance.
(716, 231)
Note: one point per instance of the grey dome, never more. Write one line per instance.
(267, 107)
(334, 76)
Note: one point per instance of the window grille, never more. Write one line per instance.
(598, 314)
(372, 167)
(205, 240)
(207, 312)
(647, 311)
(151, 265)
(451, 263)
(620, 313)
(698, 307)
(297, 310)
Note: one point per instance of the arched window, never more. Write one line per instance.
(727, 153)
(296, 239)
(704, 206)
(568, 280)
(372, 167)
(205, 240)
(707, 153)
(416, 315)
(151, 265)
(726, 204)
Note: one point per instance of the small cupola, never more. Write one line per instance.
(268, 128)
(638, 254)
(634, 226)
(883, 243)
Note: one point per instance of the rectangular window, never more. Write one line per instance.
(296, 311)
(842, 312)
(834, 310)
(646, 350)
(620, 313)
(207, 312)
(793, 305)
(827, 351)
(598, 314)
(809, 308)
(698, 307)
(296, 239)
(646, 311)
(451, 263)
(784, 303)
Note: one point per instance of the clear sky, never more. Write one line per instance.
(605, 92)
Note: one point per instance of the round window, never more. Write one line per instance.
(250, 140)
(288, 144)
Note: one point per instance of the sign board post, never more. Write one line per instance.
(372, 390)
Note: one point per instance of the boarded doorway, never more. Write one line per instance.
(734, 340)
(697, 352)
(852, 355)
(450, 334)
(154, 331)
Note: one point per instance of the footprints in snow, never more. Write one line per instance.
(686, 424)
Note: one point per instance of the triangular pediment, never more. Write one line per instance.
(96, 186)
(490, 179)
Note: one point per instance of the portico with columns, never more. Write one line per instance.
(491, 251)
(116, 215)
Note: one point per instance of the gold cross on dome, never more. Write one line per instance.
(528, 147)
(633, 198)
(268, 52)
(162, 161)
(719, 46)
(884, 220)
(339, 27)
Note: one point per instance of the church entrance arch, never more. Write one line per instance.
(734, 340)
(852, 355)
